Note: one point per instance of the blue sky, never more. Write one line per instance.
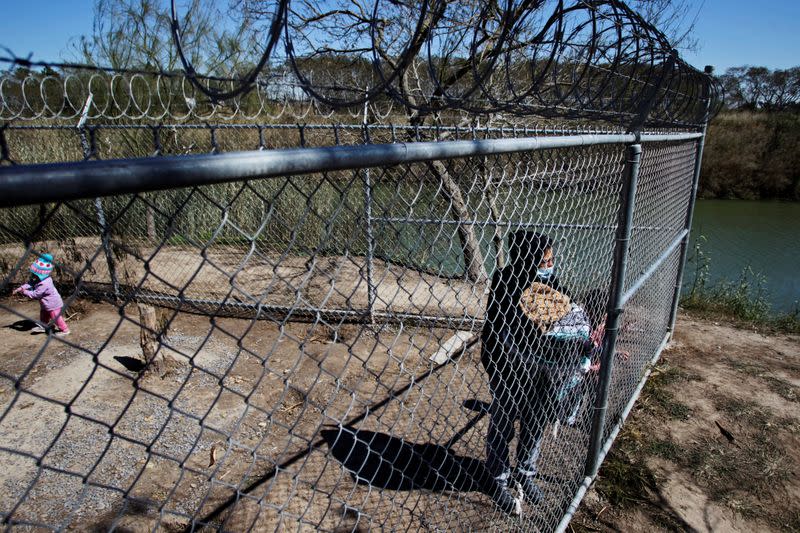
(731, 32)
(43, 27)
(748, 32)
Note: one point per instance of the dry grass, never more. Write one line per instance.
(672, 460)
(738, 473)
(659, 398)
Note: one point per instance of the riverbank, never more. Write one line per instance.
(711, 443)
(751, 155)
(744, 301)
(749, 250)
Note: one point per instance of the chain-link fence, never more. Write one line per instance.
(342, 327)
(337, 337)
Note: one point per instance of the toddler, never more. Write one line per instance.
(41, 288)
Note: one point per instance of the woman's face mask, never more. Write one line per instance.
(546, 273)
(546, 268)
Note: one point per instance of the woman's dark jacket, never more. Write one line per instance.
(514, 349)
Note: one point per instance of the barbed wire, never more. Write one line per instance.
(596, 60)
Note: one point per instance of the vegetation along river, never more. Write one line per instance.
(762, 235)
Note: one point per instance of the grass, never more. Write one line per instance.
(625, 478)
(736, 475)
(744, 300)
(785, 390)
(657, 396)
(663, 448)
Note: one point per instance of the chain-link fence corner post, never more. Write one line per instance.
(676, 298)
(615, 304)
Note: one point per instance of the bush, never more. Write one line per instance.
(752, 155)
(745, 299)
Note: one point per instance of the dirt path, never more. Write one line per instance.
(674, 469)
(254, 395)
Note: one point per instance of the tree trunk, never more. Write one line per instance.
(155, 361)
(497, 237)
(151, 224)
(473, 257)
(148, 335)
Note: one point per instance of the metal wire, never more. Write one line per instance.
(595, 60)
(288, 375)
(337, 326)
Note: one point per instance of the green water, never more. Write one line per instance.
(762, 235)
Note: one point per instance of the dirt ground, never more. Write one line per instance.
(243, 414)
(713, 443)
(235, 274)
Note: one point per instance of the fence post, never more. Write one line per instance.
(370, 245)
(368, 223)
(614, 309)
(676, 297)
(88, 149)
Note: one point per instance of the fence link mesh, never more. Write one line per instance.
(311, 351)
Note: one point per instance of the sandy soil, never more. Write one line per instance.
(133, 453)
(673, 468)
(234, 434)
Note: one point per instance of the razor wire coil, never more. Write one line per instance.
(586, 60)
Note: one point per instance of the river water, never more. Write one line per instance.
(733, 234)
(764, 236)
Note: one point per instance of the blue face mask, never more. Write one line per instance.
(545, 273)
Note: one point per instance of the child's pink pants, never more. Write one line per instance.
(55, 314)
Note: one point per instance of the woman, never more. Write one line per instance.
(531, 369)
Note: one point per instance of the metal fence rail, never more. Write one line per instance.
(319, 315)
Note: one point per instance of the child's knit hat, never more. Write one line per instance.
(43, 266)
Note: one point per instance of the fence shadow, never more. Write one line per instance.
(387, 462)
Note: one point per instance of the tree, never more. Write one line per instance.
(348, 31)
(677, 19)
(752, 88)
(136, 34)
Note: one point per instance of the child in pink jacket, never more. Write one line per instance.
(45, 291)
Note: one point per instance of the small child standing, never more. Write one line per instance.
(41, 288)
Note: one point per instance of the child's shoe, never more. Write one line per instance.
(62, 333)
